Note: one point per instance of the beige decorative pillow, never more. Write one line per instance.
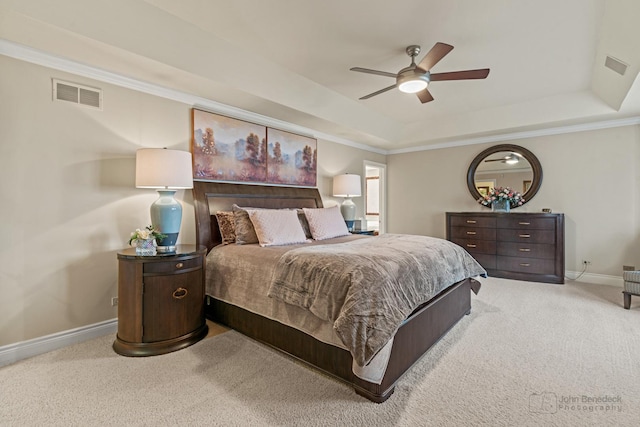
(277, 226)
(326, 223)
(245, 233)
(227, 226)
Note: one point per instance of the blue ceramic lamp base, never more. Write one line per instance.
(348, 211)
(166, 215)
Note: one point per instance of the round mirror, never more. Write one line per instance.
(505, 165)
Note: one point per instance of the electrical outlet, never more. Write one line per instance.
(585, 262)
(114, 301)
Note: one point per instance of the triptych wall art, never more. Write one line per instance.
(228, 149)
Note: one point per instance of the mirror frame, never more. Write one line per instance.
(531, 158)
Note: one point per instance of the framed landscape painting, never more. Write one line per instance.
(227, 149)
(292, 159)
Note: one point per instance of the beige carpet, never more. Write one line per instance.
(525, 351)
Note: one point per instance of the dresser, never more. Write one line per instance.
(521, 246)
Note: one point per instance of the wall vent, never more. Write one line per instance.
(78, 94)
(616, 65)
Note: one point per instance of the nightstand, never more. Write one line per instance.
(365, 232)
(160, 301)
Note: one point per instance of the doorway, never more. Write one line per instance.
(375, 196)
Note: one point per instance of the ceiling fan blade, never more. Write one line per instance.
(368, 71)
(378, 92)
(460, 75)
(424, 96)
(495, 160)
(437, 52)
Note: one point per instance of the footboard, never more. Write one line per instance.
(419, 332)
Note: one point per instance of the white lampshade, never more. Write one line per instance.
(347, 185)
(162, 168)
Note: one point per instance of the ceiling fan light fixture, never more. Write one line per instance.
(512, 160)
(412, 80)
(413, 86)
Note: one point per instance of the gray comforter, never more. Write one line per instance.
(368, 287)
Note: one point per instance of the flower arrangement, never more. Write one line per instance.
(502, 194)
(149, 232)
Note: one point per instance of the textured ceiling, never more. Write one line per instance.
(290, 60)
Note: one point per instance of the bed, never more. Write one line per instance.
(309, 341)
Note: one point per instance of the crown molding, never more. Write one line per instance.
(35, 56)
(522, 135)
(28, 54)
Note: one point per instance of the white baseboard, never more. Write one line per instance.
(596, 279)
(15, 352)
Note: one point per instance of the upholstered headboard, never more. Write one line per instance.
(210, 197)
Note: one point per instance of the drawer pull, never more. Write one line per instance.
(471, 221)
(473, 233)
(524, 250)
(525, 236)
(180, 293)
(470, 245)
(524, 264)
(524, 223)
(179, 265)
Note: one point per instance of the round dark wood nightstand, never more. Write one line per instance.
(160, 301)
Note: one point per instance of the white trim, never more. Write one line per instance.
(15, 352)
(25, 53)
(522, 135)
(596, 279)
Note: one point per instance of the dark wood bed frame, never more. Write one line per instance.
(420, 331)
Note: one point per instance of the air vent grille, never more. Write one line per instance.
(615, 65)
(78, 94)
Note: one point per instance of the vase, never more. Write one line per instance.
(146, 247)
(500, 206)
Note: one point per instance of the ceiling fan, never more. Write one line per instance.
(415, 78)
(511, 158)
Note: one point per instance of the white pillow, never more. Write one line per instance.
(277, 226)
(326, 223)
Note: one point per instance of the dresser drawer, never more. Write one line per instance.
(473, 233)
(179, 266)
(472, 221)
(477, 246)
(528, 236)
(527, 223)
(526, 265)
(487, 261)
(526, 249)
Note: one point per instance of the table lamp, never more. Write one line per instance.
(167, 171)
(347, 186)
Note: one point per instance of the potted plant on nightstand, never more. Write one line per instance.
(145, 240)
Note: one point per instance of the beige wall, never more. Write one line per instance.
(69, 200)
(67, 183)
(592, 177)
